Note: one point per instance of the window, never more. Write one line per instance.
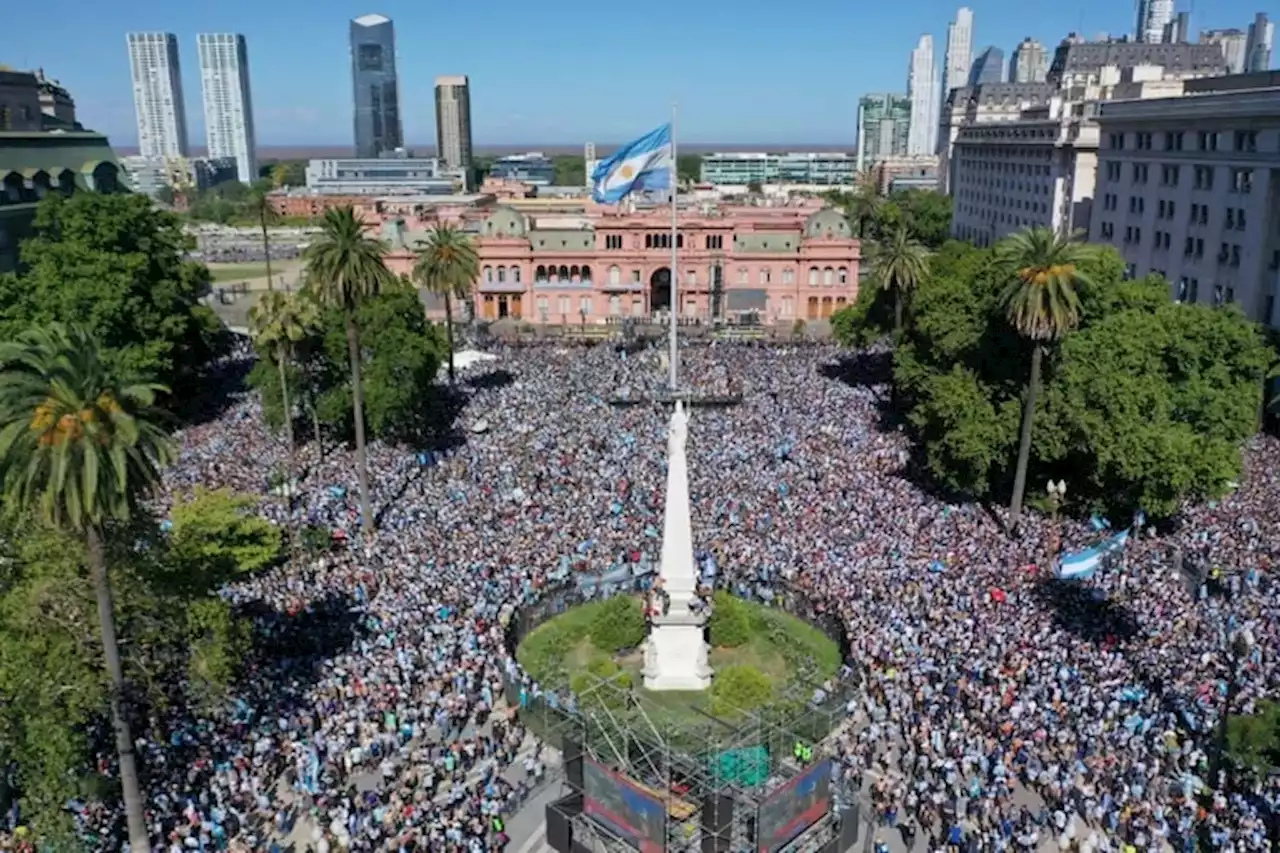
(502, 275)
(788, 276)
(691, 278)
(584, 306)
(1246, 140)
(1116, 140)
(1208, 141)
(1113, 171)
(1107, 230)
(813, 275)
(515, 275)
(1203, 179)
(635, 276)
(1169, 176)
(613, 241)
(1173, 141)
(563, 306)
(543, 308)
(743, 275)
(615, 275)
(1143, 141)
(1137, 204)
(1242, 180)
(788, 307)
(828, 276)
(1199, 214)
(765, 275)
(615, 306)
(842, 275)
(488, 275)
(715, 241)
(1139, 171)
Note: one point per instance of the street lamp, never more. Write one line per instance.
(1057, 494)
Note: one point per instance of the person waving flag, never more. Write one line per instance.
(643, 164)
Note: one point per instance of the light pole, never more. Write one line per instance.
(1057, 494)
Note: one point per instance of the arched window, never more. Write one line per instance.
(586, 273)
(648, 241)
(540, 274)
(515, 274)
(813, 275)
(564, 273)
(615, 275)
(679, 241)
(828, 276)
(488, 274)
(842, 275)
(574, 273)
(502, 275)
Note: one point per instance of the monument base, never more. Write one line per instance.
(675, 656)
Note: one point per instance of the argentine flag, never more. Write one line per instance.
(643, 164)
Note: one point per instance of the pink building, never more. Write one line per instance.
(778, 264)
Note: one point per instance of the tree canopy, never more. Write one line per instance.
(117, 266)
(1145, 405)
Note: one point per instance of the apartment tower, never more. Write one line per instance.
(228, 106)
(376, 91)
(1030, 63)
(1153, 17)
(884, 123)
(959, 51)
(1234, 44)
(1257, 53)
(922, 89)
(453, 122)
(157, 94)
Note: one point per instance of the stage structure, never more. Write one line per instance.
(644, 776)
(675, 655)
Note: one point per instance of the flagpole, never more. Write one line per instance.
(674, 356)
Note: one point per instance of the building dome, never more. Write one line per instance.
(827, 222)
(505, 222)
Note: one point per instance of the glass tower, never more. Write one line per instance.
(376, 94)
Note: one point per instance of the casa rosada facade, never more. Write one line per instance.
(601, 264)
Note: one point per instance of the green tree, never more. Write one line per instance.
(116, 265)
(863, 208)
(1042, 306)
(619, 625)
(1253, 740)
(730, 624)
(258, 206)
(448, 266)
(344, 268)
(899, 263)
(278, 323)
(216, 536)
(688, 168)
(927, 215)
(79, 448)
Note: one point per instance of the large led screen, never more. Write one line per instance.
(632, 814)
(794, 807)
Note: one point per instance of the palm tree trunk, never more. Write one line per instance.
(266, 244)
(282, 361)
(448, 332)
(138, 837)
(897, 310)
(1024, 440)
(315, 424)
(357, 402)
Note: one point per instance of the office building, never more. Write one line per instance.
(1030, 62)
(1257, 54)
(1187, 189)
(922, 89)
(772, 264)
(884, 124)
(157, 94)
(738, 169)
(453, 122)
(1153, 17)
(988, 67)
(1082, 64)
(375, 88)
(1234, 44)
(959, 58)
(228, 105)
(898, 173)
(382, 176)
(533, 168)
(1178, 30)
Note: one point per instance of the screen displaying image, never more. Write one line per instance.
(635, 816)
(369, 57)
(794, 807)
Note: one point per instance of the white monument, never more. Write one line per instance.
(675, 655)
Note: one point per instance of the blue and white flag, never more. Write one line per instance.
(1080, 565)
(643, 164)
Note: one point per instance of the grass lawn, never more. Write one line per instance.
(222, 273)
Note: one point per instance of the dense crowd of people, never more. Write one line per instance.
(1001, 710)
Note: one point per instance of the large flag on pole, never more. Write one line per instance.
(643, 164)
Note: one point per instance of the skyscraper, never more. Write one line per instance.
(453, 122)
(1178, 30)
(376, 92)
(1234, 45)
(959, 51)
(228, 106)
(884, 124)
(922, 89)
(988, 67)
(1153, 17)
(157, 94)
(1030, 62)
(1257, 52)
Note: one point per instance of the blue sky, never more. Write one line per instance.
(553, 71)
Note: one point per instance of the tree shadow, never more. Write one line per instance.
(492, 380)
(205, 396)
(865, 369)
(1075, 609)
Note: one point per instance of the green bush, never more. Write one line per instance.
(618, 625)
(730, 622)
(739, 688)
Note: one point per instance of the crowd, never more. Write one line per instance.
(1001, 711)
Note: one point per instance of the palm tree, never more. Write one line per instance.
(258, 205)
(863, 207)
(447, 265)
(1041, 305)
(899, 262)
(78, 448)
(344, 268)
(277, 323)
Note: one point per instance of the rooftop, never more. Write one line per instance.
(1084, 57)
(1228, 104)
(371, 20)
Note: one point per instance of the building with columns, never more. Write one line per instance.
(776, 264)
